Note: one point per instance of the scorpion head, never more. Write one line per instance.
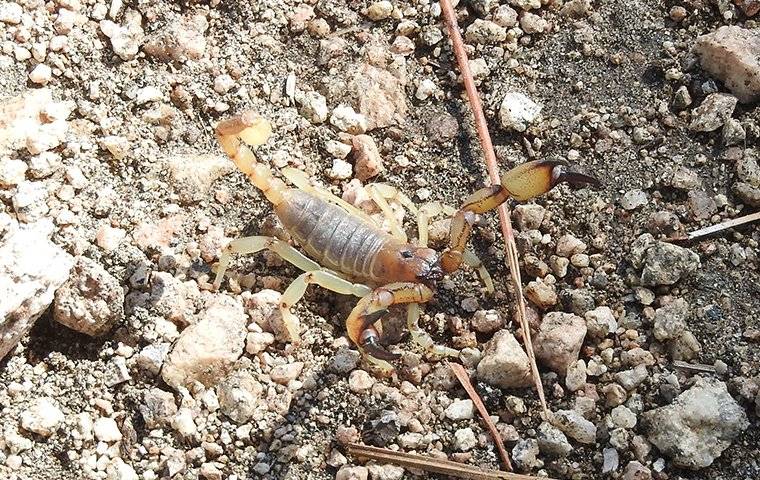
(420, 264)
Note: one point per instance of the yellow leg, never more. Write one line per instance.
(323, 278)
(360, 323)
(248, 245)
(380, 193)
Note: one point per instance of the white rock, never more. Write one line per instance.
(125, 39)
(11, 13)
(714, 111)
(283, 374)
(118, 470)
(360, 381)
(12, 172)
(380, 10)
(425, 89)
(698, 426)
(485, 32)
(574, 425)
(345, 119)
(42, 418)
(464, 439)
(340, 170)
(207, 350)
(33, 120)
(337, 149)
(41, 74)
(313, 106)
(460, 410)
(31, 269)
(223, 84)
(183, 423)
(106, 430)
(504, 363)
(732, 54)
(517, 111)
(576, 376)
(148, 94)
(600, 322)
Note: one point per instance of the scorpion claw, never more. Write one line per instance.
(573, 178)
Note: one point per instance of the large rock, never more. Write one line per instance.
(662, 263)
(732, 54)
(193, 175)
(379, 95)
(713, 113)
(31, 269)
(33, 120)
(698, 426)
(559, 340)
(239, 395)
(504, 363)
(91, 301)
(206, 351)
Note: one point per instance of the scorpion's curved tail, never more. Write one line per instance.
(234, 135)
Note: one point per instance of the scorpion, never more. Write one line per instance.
(354, 256)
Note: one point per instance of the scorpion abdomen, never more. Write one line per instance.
(331, 236)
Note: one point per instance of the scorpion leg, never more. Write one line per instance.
(247, 245)
(421, 337)
(469, 258)
(380, 193)
(323, 278)
(369, 310)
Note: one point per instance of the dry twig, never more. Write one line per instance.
(464, 379)
(703, 232)
(434, 465)
(694, 367)
(493, 173)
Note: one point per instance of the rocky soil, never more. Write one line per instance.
(119, 361)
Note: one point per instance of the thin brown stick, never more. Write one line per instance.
(464, 379)
(703, 232)
(434, 465)
(493, 173)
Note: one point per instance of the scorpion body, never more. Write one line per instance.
(349, 254)
(345, 243)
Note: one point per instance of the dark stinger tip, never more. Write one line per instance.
(374, 349)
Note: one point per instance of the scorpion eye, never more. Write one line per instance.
(406, 254)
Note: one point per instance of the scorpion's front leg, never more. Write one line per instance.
(360, 324)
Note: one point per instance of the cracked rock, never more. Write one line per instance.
(91, 301)
(698, 426)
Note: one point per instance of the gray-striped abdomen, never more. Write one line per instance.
(329, 235)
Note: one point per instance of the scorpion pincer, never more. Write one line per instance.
(349, 254)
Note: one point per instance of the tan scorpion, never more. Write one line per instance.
(353, 255)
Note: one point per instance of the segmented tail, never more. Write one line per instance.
(234, 135)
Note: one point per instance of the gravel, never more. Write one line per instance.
(112, 183)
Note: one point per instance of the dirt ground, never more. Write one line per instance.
(606, 80)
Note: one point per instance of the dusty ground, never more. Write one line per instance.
(604, 71)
